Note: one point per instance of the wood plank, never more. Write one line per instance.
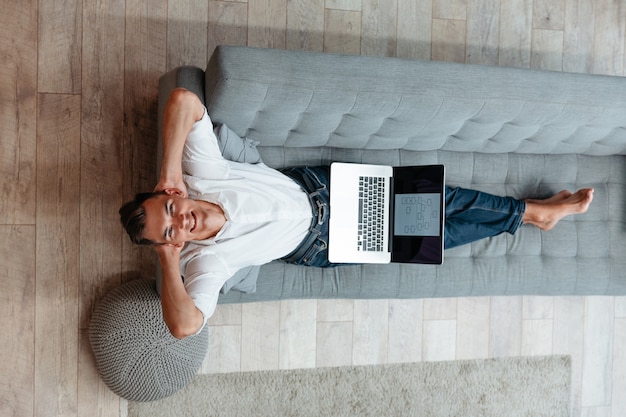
(334, 332)
(439, 340)
(102, 126)
(187, 33)
(379, 27)
(267, 23)
(334, 344)
(17, 307)
(18, 88)
(228, 24)
(598, 351)
(483, 32)
(568, 337)
(405, 331)
(548, 14)
(414, 29)
(537, 307)
(354, 5)
(610, 34)
(58, 255)
(225, 315)
(94, 397)
(335, 310)
(342, 32)
(505, 326)
(260, 339)
(516, 21)
(60, 44)
(450, 9)
(305, 25)
(224, 354)
(578, 36)
(440, 308)
(371, 326)
(537, 337)
(298, 321)
(448, 41)
(618, 401)
(547, 50)
(144, 62)
(620, 307)
(472, 331)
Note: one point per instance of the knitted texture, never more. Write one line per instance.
(135, 353)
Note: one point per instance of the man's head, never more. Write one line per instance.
(133, 217)
(166, 218)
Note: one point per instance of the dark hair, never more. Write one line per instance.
(133, 217)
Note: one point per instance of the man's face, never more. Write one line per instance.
(173, 219)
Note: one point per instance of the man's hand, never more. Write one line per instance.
(179, 311)
(168, 249)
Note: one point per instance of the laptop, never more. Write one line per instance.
(382, 214)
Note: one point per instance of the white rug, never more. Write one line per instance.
(506, 387)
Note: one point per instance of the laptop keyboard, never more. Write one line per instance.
(371, 203)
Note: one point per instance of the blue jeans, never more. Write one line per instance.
(470, 215)
(473, 215)
(313, 250)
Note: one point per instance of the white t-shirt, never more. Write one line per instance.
(267, 216)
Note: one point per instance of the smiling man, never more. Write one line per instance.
(175, 220)
(209, 217)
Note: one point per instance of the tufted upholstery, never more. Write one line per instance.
(584, 255)
(508, 131)
(361, 102)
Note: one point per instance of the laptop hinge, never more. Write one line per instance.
(391, 214)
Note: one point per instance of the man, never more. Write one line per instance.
(210, 217)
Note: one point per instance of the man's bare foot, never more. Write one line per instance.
(561, 195)
(545, 214)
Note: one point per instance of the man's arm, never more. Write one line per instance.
(180, 313)
(182, 109)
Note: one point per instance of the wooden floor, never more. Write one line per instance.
(78, 85)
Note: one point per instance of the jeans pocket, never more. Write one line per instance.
(317, 255)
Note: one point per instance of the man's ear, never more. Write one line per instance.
(174, 191)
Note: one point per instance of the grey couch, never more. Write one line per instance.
(507, 131)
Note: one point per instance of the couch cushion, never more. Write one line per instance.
(582, 255)
(243, 280)
(306, 99)
(235, 148)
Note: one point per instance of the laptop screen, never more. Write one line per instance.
(418, 214)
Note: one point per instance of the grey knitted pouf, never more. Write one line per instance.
(136, 355)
